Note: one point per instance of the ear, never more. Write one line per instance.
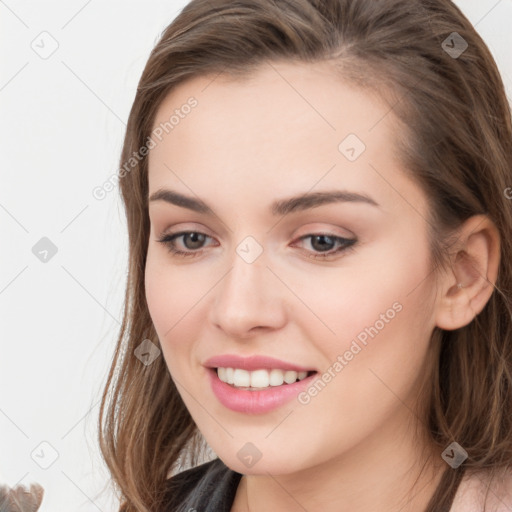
(465, 290)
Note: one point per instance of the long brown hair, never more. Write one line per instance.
(457, 144)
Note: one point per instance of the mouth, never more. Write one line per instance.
(257, 391)
(256, 384)
(258, 380)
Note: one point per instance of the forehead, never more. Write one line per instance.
(285, 128)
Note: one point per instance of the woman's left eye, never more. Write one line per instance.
(326, 242)
(322, 244)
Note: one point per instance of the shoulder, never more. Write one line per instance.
(208, 487)
(478, 490)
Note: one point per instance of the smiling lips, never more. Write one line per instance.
(255, 384)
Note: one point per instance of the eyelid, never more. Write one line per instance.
(318, 228)
(309, 230)
(188, 227)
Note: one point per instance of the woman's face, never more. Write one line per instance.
(334, 284)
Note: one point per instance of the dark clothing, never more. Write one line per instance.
(210, 487)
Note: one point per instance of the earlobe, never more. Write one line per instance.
(474, 269)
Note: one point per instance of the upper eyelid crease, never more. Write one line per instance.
(281, 207)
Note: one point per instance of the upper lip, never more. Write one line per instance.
(257, 362)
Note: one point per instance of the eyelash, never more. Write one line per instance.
(169, 242)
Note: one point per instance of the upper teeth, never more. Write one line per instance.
(259, 378)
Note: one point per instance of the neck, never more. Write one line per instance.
(388, 472)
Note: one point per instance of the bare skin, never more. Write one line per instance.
(247, 144)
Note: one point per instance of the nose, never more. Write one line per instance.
(248, 299)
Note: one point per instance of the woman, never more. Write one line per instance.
(319, 215)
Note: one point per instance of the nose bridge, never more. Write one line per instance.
(247, 297)
(242, 282)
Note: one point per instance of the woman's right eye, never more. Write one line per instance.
(196, 240)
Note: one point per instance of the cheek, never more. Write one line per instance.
(165, 298)
(382, 317)
(380, 296)
(176, 300)
(170, 291)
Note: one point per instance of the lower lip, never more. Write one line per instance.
(255, 402)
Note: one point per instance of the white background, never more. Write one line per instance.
(62, 124)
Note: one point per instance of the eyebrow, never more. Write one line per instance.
(279, 207)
